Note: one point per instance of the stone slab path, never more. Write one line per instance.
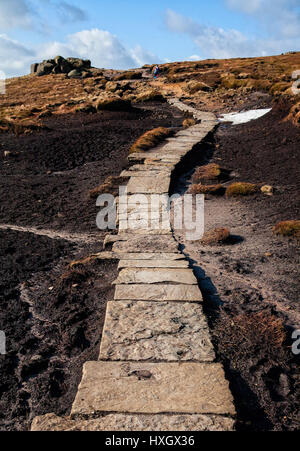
(156, 368)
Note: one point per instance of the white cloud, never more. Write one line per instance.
(14, 13)
(250, 6)
(101, 47)
(280, 17)
(70, 13)
(142, 56)
(14, 57)
(194, 58)
(216, 42)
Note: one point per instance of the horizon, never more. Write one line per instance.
(121, 36)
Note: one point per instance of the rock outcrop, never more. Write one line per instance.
(73, 67)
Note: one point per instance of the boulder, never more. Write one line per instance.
(60, 65)
(33, 68)
(111, 86)
(74, 74)
(45, 68)
(268, 190)
(78, 63)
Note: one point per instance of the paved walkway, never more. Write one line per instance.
(156, 367)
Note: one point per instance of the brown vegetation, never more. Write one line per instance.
(110, 186)
(241, 189)
(193, 87)
(129, 75)
(216, 236)
(114, 104)
(210, 172)
(287, 228)
(217, 190)
(150, 96)
(260, 334)
(188, 122)
(294, 115)
(151, 139)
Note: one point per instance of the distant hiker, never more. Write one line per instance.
(156, 72)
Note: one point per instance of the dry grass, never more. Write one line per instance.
(216, 236)
(229, 81)
(28, 97)
(210, 172)
(241, 189)
(193, 87)
(236, 77)
(217, 190)
(110, 186)
(129, 75)
(294, 115)
(73, 277)
(287, 228)
(188, 122)
(151, 139)
(258, 334)
(150, 96)
(114, 104)
(84, 261)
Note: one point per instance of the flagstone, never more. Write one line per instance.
(155, 331)
(130, 422)
(156, 275)
(158, 292)
(153, 264)
(149, 388)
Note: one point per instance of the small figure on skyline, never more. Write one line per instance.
(156, 72)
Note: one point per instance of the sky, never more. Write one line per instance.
(123, 34)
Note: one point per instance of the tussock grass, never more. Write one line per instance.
(280, 88)
(287, 228)
(129, 75)
(217, 190)
(188, 122)
(216, 236)
(294, 115)
(193, 87)
(150, 96)
(114, 104)
(84, 261)
(210, 172)
(151, 139)
(243, 335)
(241, 189)
(110, 186)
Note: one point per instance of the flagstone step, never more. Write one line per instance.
(156, 275)
(148, 185)
(130, 422)
(147, 243)
(153, 264)
(149, 388)
(158, 292)
(147, 256)
(156, 331)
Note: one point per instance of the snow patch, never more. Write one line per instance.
(242, 118)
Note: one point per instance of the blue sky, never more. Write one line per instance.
(128, 33)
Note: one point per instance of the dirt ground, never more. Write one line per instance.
(252, 282)
(46, 179)
(53, 317)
